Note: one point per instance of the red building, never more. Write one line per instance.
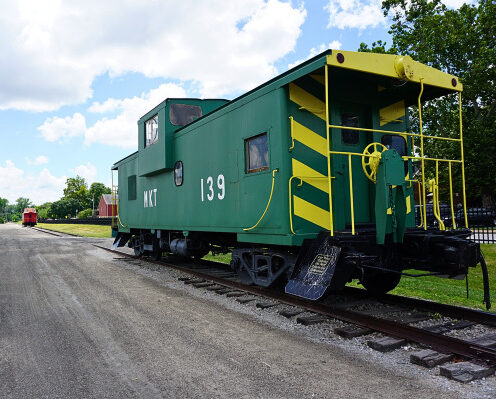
(106, 208)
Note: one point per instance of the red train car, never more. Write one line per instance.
(29, 217)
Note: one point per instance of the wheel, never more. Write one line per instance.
(371, 158)
(379, 283)
(156, 254)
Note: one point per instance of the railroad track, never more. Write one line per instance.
(218, 277)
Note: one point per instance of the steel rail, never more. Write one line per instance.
(473, 351)
(456, 312)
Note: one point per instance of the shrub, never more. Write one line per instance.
(85, 214)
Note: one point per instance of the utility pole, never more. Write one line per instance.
(93, 210)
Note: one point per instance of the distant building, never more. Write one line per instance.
(106, 208)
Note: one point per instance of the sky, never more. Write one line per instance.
(76, 76)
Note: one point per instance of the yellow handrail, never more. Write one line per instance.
(463, 160)
(331, 221)
(391, 132)
(436, 200)
(422, 151)
(351, 197)
(291, 194)
(451, 197)
(291, 130)
(268, 203)
(420, 203)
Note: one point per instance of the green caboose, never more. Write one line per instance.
(309, 177)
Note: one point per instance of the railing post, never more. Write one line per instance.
(422, 152)
(351, 197)
(451, 197)
(463, 159)
(331, 221)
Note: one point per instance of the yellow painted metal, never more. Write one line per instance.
(374, 158)
(392, 132)
(408, 205)
(310, 176)
(309, 138)
(290, 190)
(306, 101)
(436, 200)
(291, 128)
(422, 152)
(420, 204)
(351, 196)
(395, 66)
(328, 144)
(310, 212)
(463, 160)
(451, 197)
(268, 203)
(392, 112)
(433, 159)
(318, 78)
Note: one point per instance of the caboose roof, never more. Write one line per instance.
(389, 69)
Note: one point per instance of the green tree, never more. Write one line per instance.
(21, 204)
(42, 210)
(95, 193)
(86, 213)
(463, 43)
(76, 189)
(3, 208)
(64, 207)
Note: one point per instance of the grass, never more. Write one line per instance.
(85, 230)
(442, 290)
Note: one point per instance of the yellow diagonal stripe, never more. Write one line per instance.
(314, 178)
(392, 112)
(310, 212)
(307, 101)
(318, 78)
(309, 138)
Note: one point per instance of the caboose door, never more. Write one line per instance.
(351, 141)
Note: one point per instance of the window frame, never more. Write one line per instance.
(249, 171)
(149, 144)
(173, 105)
(182, 173)
(135, 193)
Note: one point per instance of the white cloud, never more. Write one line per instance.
(88, 172)
(358, 14)
(39, 188)
(334, 45)
(39, 160)
(120, 130)
(52, 50)
(55, 129)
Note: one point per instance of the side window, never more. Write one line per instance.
(395, 142)
(131, 188)
(151, 131)
(178, 173)
(257, 153)
(350, 137)
(182, 114)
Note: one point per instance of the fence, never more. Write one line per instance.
(100, 221)
(482, 221)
